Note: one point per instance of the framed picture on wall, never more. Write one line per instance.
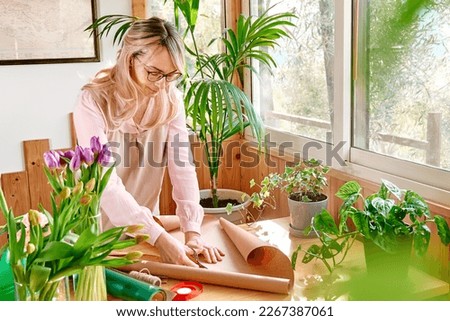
(47, 32)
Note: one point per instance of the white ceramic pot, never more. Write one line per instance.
(237, 215)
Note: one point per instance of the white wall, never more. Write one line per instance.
(35, 100)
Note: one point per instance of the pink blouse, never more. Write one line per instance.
(132, 194)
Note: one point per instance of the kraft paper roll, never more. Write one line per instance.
(224, 278)
(249, 262)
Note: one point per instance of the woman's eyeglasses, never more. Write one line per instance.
(157, 75)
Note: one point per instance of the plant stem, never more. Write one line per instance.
(91, 284)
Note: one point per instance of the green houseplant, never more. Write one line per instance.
(388, 219)
(215, 104)
(304, 183)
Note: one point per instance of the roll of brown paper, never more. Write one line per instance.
(249, 262)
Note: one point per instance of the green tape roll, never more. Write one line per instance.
(124, 287)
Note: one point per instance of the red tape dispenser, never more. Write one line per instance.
(186, 290)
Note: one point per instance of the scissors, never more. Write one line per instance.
(196, 259)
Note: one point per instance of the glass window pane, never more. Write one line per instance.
(402, 94)
(298, 97)
(209, 24)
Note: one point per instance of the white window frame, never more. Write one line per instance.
(431, 183)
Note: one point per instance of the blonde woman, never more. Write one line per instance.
(136, 107)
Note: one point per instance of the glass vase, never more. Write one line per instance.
(51, 291)
(90, 283)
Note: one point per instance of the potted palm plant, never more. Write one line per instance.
(216, 106)
(304, 183)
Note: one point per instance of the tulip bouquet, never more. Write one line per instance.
(45, 247)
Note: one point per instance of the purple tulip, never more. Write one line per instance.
(96, 146)
(69, 154)
(65, 157)
(104, 156)
(51, 159)
(75, 162)
(87, 155)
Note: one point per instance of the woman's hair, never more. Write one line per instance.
(118, 94)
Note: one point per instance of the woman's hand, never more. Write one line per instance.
(173, 251)
(211, 253)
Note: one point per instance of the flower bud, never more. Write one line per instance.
(141, 238)
(78, 188)
(51, 159)
(96, 146)
(33, 217)
(133, 255)
(90, 185)
(75, 162)
(31, 248)
(87, 155)
(85, 200)
(134, 228)
(65, 193)
(104, 157)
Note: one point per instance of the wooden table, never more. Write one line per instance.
(311, 278)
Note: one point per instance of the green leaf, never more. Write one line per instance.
(103, 25)
(105, 179)
(3, 205)
(55, 250)
(361, 222)
(311, 253)
(85, 241)
(348, 203)
(229, 208)
(397, 192)
(443, 229)
(294, 256)
(307, 230)
(382, 206)
(415, 204)
(397, 213)
(38, 277)
(421, 239)
(330, 248)
(54, 183)
(116, 262)
(348, 189)
(324, 222)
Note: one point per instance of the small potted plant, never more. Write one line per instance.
(304, 183)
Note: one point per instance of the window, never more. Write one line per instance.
(386, 99)
(402, 95)
(299, 97)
